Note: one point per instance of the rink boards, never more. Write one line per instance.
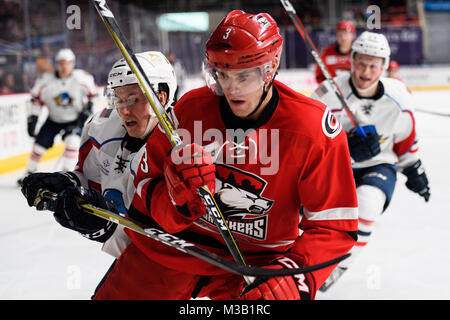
(15, 144)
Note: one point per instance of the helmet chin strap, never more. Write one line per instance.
(152, 122)
(149, 127)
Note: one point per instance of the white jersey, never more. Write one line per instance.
(390, 111)
(104, 163)
(64, 98)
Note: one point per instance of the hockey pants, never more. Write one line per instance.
(134, 276)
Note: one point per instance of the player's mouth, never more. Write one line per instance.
(365, 79)
(130, 123)
(237, 102)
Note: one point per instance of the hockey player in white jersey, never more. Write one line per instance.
(386, 142)
(67, 94)
(110, 140)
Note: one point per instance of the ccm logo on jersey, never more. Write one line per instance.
(330, 125)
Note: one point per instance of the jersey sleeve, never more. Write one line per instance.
(405, 137)
(151, 197)
(325, 94)
(35, 92)
(329, 206)
(87, 82)
(87, 165)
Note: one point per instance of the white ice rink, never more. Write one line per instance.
(408, 256)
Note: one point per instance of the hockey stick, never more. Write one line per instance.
(315, 53)
(208, 199)
(436, 113)
(49, 202)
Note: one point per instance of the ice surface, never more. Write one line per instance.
(408, 256)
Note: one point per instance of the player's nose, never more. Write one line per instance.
(124, 110)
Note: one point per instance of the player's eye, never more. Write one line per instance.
(242, 78)
(118, 103)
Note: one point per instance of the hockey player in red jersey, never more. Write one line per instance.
(392, 70)
(337, 56)
(272, 157)
(385, 110)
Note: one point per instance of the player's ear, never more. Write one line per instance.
(162, 96)
(275, 62)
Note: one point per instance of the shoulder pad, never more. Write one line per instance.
(82, 76)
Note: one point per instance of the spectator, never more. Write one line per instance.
(8, 84)
(43, 62)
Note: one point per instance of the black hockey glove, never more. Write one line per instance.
(70, 214)
(31, 125)
(363, 147)
(51, 181)
(417, 180)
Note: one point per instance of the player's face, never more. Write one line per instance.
(392, 73)
(344, 38)
(133, 108)
(65, 68)
(366, 70)
(242, 89)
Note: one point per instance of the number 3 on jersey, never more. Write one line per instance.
(144, 164)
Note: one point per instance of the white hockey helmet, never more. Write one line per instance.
(372, 44)
(156, 67)
(65, 54)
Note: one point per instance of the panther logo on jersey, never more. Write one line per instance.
(239, 196)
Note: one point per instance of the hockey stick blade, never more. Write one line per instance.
(164, 120)
(188, 247)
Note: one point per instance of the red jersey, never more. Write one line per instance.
(334, 60)
(291, 166)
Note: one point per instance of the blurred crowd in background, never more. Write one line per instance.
(31, 31)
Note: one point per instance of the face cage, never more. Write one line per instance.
(211, 76)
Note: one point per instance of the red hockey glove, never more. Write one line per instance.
(186, 169)
(294, 287)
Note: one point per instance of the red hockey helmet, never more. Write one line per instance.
(244, 40)
(345, 25)
(393, 65)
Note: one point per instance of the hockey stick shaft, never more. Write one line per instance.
(315, 53)
(436, 113)
(208, 199)
(173, 241)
